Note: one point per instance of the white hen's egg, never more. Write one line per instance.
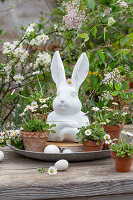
(1, 155)
(51, 149)
(61, 165)
(67, 151)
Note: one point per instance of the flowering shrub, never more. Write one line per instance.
(22, 62)
(107, 38)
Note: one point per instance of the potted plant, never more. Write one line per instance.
(35, 131)
(113, 121)
(92, 137)
(122, 153)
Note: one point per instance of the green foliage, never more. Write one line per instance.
(109, 116)
(17, 142)
(122, 149)
(42, 170)
(35, 125)
(97, 133)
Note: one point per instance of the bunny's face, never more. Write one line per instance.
(67, 101)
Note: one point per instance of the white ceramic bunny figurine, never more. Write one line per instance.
(67, 113)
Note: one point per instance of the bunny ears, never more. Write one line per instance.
(79, 73)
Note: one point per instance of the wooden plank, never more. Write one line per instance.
(20, 179)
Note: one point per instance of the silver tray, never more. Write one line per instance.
(75, 156)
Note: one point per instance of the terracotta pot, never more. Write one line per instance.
(91, 145)
(131, 85)
(122, 101)
(41, 116)
(122, 164)
(34, 141)
(114, 131)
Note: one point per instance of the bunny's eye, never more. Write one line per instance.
(73, 94)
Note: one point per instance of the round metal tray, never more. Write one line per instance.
(75, 156)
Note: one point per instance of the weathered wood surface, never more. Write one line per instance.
(93, 180)
(20, 179)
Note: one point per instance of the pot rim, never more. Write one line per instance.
(113, 154)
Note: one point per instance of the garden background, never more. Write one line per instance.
(31, 31)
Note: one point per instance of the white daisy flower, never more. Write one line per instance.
(22, 114)
(42, 100)
(47, 98)
(104, 108)
(2, 133)
(124, 132)
(95, 108)
(107, 120)
(103, 123)
(17, 132)
(52, 170)
(87, 123)
(108, 141)
(88, 132)
(1, 140)
(107, 137)
(114, 103)
(69, 82)
(44, 106)
(21, 129)
(29, 107)
(33, 109)
(124, 113)
(109, 109)
(34, 104)
(115, 139)
(8, 141)
(25, 109)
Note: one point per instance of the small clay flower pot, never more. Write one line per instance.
(34, 141)
(131, 85)
(91, 145)
(122, 164)
(114, 131)
(41, 116)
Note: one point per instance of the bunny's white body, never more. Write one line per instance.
(67, 113)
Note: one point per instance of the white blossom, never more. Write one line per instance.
(111, 21)
(74, 17)
(8, 69)
(43, 59)
(123, 4)
(18, 78)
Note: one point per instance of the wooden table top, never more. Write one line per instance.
(20, 179)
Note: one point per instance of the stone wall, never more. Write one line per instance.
(22, 13)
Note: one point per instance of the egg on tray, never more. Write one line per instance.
(67, 151)
(1, 155)
(51, 149)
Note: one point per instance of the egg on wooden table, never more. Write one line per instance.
(61, 165)
(51, 149)
(1, 155)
